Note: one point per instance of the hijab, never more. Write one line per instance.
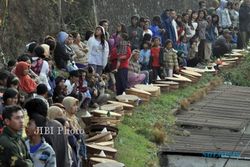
(25, 82)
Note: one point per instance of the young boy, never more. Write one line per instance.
(42, 154)
(170, 61)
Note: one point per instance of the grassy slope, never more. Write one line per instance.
(134, 142)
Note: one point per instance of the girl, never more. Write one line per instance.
(156, 57)
(192, 25)
(202, 25)
(145, 56)
(98, 50)
(170, 61)
(120, 56)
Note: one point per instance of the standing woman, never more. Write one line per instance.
(192, 25)
(80, 50)
(202, 25)
(98, 50)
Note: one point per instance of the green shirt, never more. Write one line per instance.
(13, 151)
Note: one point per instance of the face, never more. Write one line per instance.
(189, 12)
(146, 26)
(186, 18)
(145, 46)
(173, 14)
(78, 37)
(134, 21)
(157, 42)
(98, 31)
(12, 101)
(195, 15)
(169, 45)
(74, 108)
(119, 28)
(203, 5)
(31, 128)
(75, 79)
(16, 122)
(69, 40)
(105, 26)
(201, 15)
(26, 72)
(136, 56)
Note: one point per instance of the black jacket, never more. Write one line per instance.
(244, 17)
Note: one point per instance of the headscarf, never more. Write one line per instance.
(25, 82)
(55, 112)
(68, 102)
(223, 4)
(46, 50)
(62, 36)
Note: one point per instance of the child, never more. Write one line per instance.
(182, 48)
(145, 56)
(192, 54)
(83, 88)
(40, 151)
(170, 61)
(156, 56)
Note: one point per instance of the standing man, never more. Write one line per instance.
(244, 22)
(13, 151)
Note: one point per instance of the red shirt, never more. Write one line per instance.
(155, 53)
(124, 63)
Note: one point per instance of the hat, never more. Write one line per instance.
(103, 30)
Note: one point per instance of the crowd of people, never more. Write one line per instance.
(53, 79)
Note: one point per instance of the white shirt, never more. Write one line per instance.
(70, 86)
(96, 54)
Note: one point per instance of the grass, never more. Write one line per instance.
(239, 76)
(154, 122)
(151, 123)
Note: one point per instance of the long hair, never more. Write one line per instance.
(102, 37)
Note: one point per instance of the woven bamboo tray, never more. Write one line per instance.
(145, 96)
(154, 90)
(125, 105)
(96, 149)
(105, 162)
(102, 137)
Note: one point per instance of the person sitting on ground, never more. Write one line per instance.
(3, 80)
(72, 85)
(97, 89)
(42, 93)
(60, 90)
(223, 44)
(26, 83)
(13, 154)
(42, 154)
(12, 81)
(134, 74)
